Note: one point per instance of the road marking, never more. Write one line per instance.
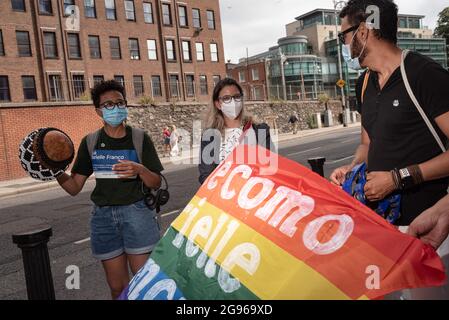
(351, 140)
(304, 151)
(170, 213)
(341, 160)
(82, 241)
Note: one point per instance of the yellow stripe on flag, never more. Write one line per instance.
(279, 275)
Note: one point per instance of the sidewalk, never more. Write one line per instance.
(24, 185)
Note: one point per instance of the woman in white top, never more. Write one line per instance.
(174, 139)
(226, 122)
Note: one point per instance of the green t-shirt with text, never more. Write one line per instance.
(110, 190)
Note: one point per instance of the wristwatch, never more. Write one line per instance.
(407, 180)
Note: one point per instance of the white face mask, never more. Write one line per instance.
(353, 63)
(232, 109)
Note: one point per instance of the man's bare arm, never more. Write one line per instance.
(438, 167)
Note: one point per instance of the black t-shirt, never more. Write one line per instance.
(293, 119)
(398, 134)
(114, 191)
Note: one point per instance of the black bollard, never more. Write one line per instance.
(36, 262)
(317, 165)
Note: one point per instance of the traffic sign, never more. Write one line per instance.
(341, 83)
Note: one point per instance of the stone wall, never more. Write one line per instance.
(154, 118)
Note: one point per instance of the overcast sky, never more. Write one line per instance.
(258, 24)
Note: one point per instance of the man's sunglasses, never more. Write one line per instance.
(342, 35)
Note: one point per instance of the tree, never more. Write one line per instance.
(324, 99)
(442, 29)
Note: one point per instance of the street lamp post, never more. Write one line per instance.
(283, 59)
(340, 67)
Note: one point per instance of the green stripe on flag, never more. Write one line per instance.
(190, 279)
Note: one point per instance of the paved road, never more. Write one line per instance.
(69, 218)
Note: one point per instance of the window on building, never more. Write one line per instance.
(98, 79)
(23, 43)
(216, 80)
(258, 93)
(78, 85)
(148, 12)
(134, 51)
(109, 5)
(4, 89)
(203, 85)
(89, 9)
(199, 51)
(414, 23)
(156, 85)
(129, 10)
(170, 46)
(183, 22)
(403, 23)
(331, 35)
(114, 43)
(69, 7)
(214, 52)
(29, 88)
(190, 85)
(152, 49)
(18, 5)
(255, 74)
(211, 19)
(139, 89)
(55, 86)
(186, 51)
(94, 47)
(166, 14)
(196, 18)
(2, 48)
(120, 79)
(45, 7)
(242, 77)
(50, 47)
(74, 46)
(174, 85)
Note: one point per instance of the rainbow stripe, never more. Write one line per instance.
(216, 249)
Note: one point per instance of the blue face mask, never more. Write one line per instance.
(116, 116)
(353, 63)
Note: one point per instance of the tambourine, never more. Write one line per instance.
(46, 153)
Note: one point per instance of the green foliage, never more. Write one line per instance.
(323, 98)
(146, 101)
(311, 122)
(85, 96)
(442, 29)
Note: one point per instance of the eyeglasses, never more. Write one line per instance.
(109, 105)
(342, 35)
(228, 99)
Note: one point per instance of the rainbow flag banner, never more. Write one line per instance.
(288, 234)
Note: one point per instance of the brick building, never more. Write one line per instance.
(55, 50)
(252, 77)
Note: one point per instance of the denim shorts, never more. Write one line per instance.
(115, 230)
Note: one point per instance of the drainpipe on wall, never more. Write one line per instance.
(63, 38)
(163, 50)
(181, 53)
(37, 42)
